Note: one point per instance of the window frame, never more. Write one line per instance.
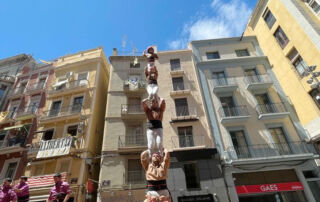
(309, 5)
(280, 30)
(213, 53)
(197, 175)
(172, 64)
(313, 98)
(48, 129)
(265, 16)
(241, 51)
(295, 59)
(6, 165)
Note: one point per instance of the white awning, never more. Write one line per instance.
(59, 83)
(13, 127)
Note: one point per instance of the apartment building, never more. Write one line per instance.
(195, 170)
(19, 117)
(263, 148)
(69, 135)
(9, 69)
(288, 32)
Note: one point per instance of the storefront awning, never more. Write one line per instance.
(59, 83)
(13, 127)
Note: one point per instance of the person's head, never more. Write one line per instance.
(156, 158)
(57, 177)
(23, 179)
(150, 50)
(7, 182)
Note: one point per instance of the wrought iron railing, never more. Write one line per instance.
(64, 111)
(18, 90)
(132, 140)
(17, 140)
(134, 85)
(131, 109)
(36, 86)
(182, 111)
(187, 141)
(180, 86)
(136, 177)
(226, 112)
(269, 150)
(69, 85)
(229, 81)
(262, 78)
(271, 108)
(27, 110)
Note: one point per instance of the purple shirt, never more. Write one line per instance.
(24, 187)
(7, 194)
(59, 187)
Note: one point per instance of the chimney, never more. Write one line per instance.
(114, 52)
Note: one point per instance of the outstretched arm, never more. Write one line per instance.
(145, 106)
(166, 159)
(144, 159)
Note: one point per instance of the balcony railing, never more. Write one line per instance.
(132, 140)
(187, 141)
(229, 81)
(233, 111)
(180, 86)
(36, 86)
(68, 85)
(7, 78)
(131, 109)
(18, 91)
(271, 108)
(184, 113)
(262, 78)
(136, 177)
(27, 111)
(64, 111)
(130, 85)
(269, 150)
(17, 140)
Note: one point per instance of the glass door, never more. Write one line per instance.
(228, 106)
(240, 144)
(219, 79)
(280, 142)
(252, 75)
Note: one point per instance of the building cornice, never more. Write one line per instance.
(223, 41)
(233, 60)
(258, 9)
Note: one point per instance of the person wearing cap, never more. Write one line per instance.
(61, 191)
(22, 190)
(7, 194)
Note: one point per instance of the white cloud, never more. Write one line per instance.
(228, 18)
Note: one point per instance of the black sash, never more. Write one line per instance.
(23, 198)
(156, 185)
(153, 124)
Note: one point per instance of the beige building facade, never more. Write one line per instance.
(252, 121)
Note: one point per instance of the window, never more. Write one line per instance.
(11, 170)
(175, 64)
(228, 106)
(13, 111)
(178, 84)
(314, 5)
(83, 76)
(315, 94)
(264, 103)
(181, 107)
(185, 136)
(242, 53)
(61, 84)
(192, 175)
(134, 105)
(213, 55)
(239, 144)
(219, 79)
(313, 182)
(47, 135)
(281, 37)
(269, 18)
(252, 75)
(2, 90)
(72, 130)
(132, 65)
(297, 61)
(55, 108)
(280, 141)
(77, 104)
(33, 107)
(3, 134)
(134, 135)
(135, 172)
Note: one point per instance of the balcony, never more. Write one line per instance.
(180, 88)
(131, 111)
(136, 177)
(7, 78)
(36, 88)
(132, 143)
(26, 113)
(188, 142)
(13, 142)
(176, 70)
(64, 87)
(271, 151)
(272, 111)
(130, 86)
(224, 85)
(70, 112)
(233, 114)
(258, 82)
(184, 113)
(55, 147)
(17, 92)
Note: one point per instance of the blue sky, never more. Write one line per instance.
(49, 29)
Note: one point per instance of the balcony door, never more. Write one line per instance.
(219, 79)
(252, 75)
(280, 141)
(134, 105)
(240, 145)
(55, 108)
(77, 104)
(228, 106)
(182, 108)
(178, 84)
(134, 135)
(185, 136)
(264, 103)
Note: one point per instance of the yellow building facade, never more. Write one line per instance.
(288, 32)
(69, 136)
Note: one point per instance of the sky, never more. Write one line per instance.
(50, 29)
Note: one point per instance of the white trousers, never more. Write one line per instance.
(154, 137)
(152, 90)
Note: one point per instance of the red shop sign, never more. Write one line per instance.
(276, 187)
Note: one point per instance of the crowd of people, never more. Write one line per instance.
(60, 192)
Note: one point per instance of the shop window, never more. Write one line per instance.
(269, 18)
(213, 55)
(192, 176)
(281, 37)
